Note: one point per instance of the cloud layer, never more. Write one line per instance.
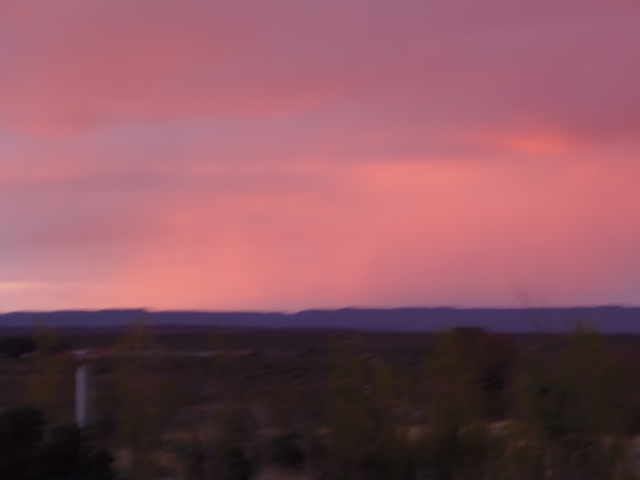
(288, 154)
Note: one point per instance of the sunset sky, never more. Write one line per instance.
(292, 154)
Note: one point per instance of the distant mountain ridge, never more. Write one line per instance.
(606, 319)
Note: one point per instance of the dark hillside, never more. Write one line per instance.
(607, 319)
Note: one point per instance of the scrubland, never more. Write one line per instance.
(268, 404)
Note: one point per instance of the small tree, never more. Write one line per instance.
(349, 411)
(144, 400)
(390, 410)
(220, 361)
(575, 407)
(456, 441)
(49, 373)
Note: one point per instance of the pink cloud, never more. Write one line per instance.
(568, 65)
(377, 233)
(288, 154)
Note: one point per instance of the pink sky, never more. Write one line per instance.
(291, 154)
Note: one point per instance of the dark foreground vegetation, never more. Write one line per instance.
(463, 404)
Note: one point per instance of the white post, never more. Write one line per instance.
(82, 380)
